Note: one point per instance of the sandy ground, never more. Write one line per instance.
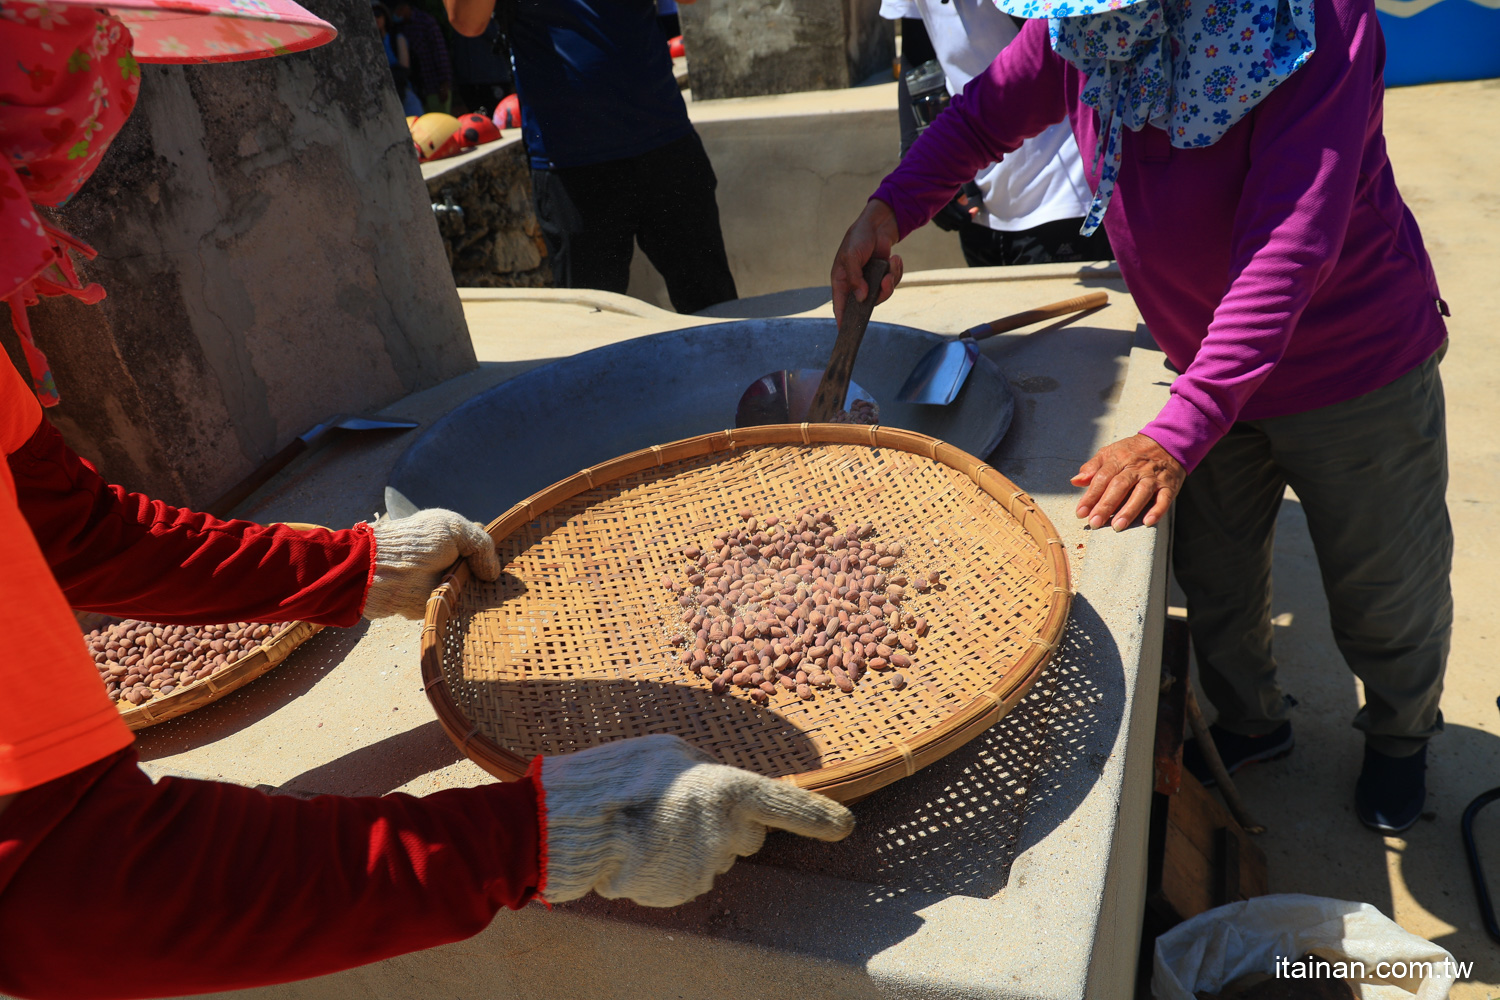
(1444, 146)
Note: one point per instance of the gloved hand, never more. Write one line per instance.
(411, 554)
(653, 820)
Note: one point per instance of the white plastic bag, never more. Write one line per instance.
(1215, 948)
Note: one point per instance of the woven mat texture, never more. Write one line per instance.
(570, 647)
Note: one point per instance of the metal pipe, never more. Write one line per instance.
(1476, 869)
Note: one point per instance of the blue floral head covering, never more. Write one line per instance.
(1191, 67)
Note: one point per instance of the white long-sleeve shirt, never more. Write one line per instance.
(1043, 180)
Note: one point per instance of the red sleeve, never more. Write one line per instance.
(111, 886)
(120, 553)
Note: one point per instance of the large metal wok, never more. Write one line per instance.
(546, 424)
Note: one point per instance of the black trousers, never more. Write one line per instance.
(663, 200)
(1050, 243)
(482, 97)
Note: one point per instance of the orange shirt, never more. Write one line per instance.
(54, 714)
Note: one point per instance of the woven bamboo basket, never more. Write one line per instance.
(570, 647)
(236, 675)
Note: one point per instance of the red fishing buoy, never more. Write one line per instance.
(508, 113)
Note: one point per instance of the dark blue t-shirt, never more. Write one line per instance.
(595, 81)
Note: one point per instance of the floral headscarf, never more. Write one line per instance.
(67, 83)
(1191, 67)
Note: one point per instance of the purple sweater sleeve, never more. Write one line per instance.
(1306, 151)
(1019, 96)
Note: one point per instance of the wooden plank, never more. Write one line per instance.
(1187, 875)
(1207, 859)
(1171, 706)
(1255, 875)
(1196, 812)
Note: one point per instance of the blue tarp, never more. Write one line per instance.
(1449, 40)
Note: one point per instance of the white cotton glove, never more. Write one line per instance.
(653, 820)
(411, 554)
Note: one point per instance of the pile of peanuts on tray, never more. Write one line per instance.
(797, 603)
(139, 661)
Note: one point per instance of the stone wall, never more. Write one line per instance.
(492, 239)
(749, 48)
(271, 259)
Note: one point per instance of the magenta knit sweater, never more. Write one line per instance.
(1278, 269)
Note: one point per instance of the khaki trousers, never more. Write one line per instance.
(1371, 474)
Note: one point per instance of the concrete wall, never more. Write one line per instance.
(746, 48)
(794, 172)
(271, 258)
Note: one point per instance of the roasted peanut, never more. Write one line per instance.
(803, 604)
(137, 660)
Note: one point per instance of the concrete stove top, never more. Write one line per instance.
(1013, 868)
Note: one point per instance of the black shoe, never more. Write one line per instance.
(1236, 751)
(1391, 791)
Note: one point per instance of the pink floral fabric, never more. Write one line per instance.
(201, 31)
(68, 81)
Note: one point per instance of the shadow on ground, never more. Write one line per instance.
(959, 824)
(952, 829)
(380, 767)
(788, 303)
(294, 676)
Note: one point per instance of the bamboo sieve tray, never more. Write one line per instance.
(569, 648)
(236, 675)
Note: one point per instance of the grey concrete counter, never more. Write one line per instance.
(1013, 868)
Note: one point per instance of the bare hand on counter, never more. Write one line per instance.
(653, 819)
(411, 554)
(1126, 478)
(872, 235)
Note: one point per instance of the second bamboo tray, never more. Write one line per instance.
(242, 671)
(569, 648)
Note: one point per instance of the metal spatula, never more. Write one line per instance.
(937, 378)
(797, 395)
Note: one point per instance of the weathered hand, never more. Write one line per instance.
(1123, 478)
(872, 235)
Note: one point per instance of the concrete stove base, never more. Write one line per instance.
(1013, 868)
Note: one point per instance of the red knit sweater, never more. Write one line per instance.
(111, 886)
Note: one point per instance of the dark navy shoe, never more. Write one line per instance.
(1391, 790)
(1236, 751)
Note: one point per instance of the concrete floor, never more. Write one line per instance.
(1444, 156)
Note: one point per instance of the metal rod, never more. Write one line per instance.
(1476, 870)
(1216, 765)
(1481, 888)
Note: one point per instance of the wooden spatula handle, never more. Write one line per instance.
(829, 399)
(1082, 303)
